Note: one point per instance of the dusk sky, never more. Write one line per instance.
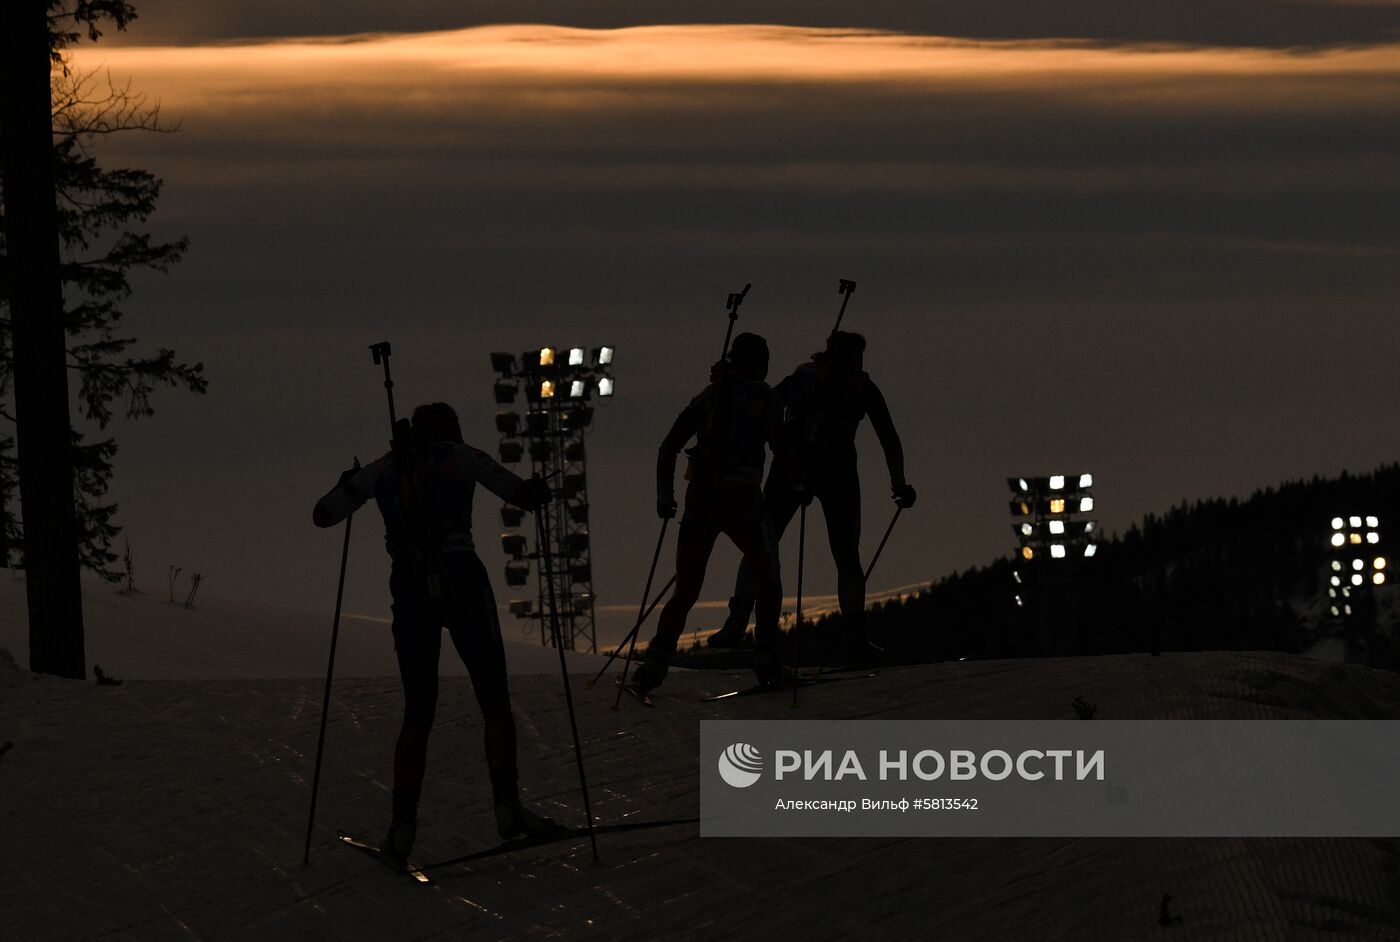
(1158, 244)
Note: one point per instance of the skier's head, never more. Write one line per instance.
(846, 348)
(436, 422)
(748, 357)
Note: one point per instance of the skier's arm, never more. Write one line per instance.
(468, 462)
(778, 441)
(349, 494)
(682, 431)
(884, 429)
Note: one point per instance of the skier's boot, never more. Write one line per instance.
(403, 828)
(514, 820)
(736, 626)
(652, 671)
(861, 652)
(398, 843)
(768, 665)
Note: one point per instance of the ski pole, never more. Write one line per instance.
(541, 528)
(326, 699)
(641, 612)
(797, 623)
(732, 306)
(848, 288)
(633, 633)
(841, 635)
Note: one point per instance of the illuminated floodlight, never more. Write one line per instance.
(1336, 565)
(1338, 523)
(1355, 539)
(1020, 508)
(1336, 611)
(1023, 484)
(602, 356)
(1355, 523)
(1086, 504)
(1057, 505)
(1347, 609)
(1346, 591)
(546, 356)
(577, 389)
(1378, 578)
(1088, 526)
(1016, 575)
(1057, 482)
(1338, 539)
(1026, 529)
(1373, 537)
(1378, 562)
(547, 388)
(1336, 580)
(1090, 549)
(1358, 565)
(1057, 551)
(1027, 553)
(605, 386)
(1331, 593)
(576, 356)
(1020, 603)
(1086, 480)
(1057, 527)
(1356, 579)
(1373, 522)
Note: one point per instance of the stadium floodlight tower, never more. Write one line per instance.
(559, 384)
(1049, 514)
(1356, 562)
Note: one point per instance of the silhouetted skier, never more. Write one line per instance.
(424, 491)
(731, 420)
(825, 400)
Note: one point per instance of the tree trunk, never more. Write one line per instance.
(44, 435)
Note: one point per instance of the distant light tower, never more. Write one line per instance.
(559, 384)
(1051, 532)
(1356, 562)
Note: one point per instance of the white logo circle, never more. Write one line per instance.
(740, 765)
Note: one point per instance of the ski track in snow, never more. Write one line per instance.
(176, 809)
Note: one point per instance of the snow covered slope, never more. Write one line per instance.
(176, 809)
(145, 636)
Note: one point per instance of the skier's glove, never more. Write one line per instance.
(533, 494)
(665, 507)
(904, 496)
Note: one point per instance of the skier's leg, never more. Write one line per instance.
(780, 499)
(417, 642)
(694, 542)
(476, 633)
(840, 497)
(747, 524)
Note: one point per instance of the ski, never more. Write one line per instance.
(554, 837)
(638, 694)
(843, 669)
(408, 870)
(781, 686)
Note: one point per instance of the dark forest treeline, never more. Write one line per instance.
(1209, 575)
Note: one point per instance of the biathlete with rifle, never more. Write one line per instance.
(732, 420)
(825, 400)
(424, 489)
